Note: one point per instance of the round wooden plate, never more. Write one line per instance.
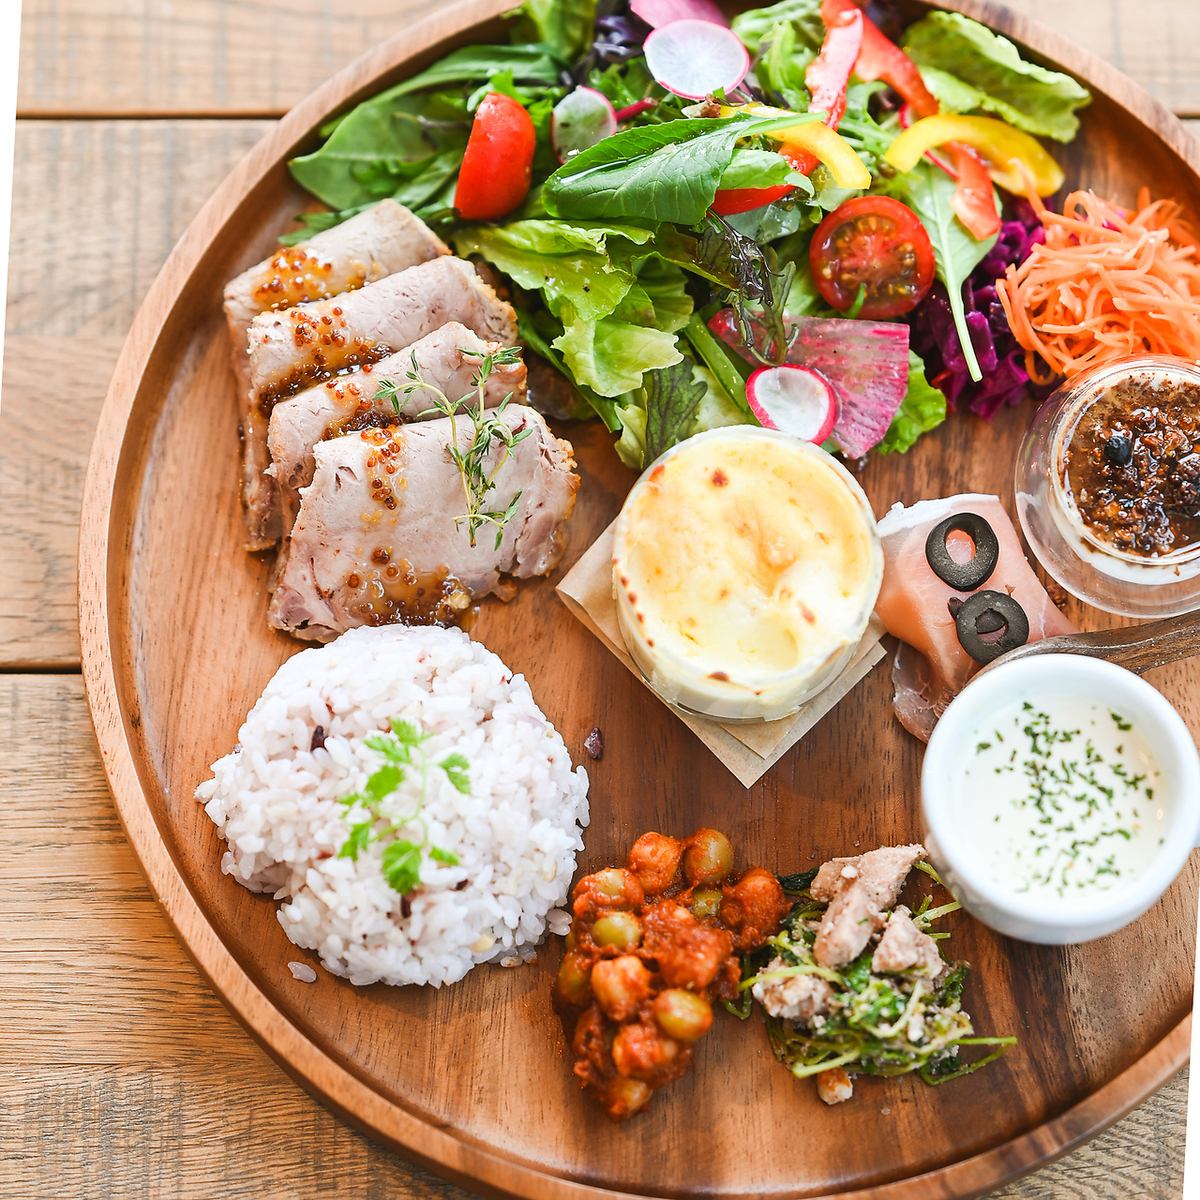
(473, 1079)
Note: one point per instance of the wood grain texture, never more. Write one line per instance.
(480, 1088)
(110, 1087)
(97, 207)
(227, 56)
(114, 1087)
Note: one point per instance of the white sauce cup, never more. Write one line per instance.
(1048, 680)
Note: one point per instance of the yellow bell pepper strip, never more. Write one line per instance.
(829, 147)
(812, 137)
(1015, 160)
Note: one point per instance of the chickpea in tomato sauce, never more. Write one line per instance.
(653, 946)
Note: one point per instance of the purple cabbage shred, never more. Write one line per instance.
(1005, 381)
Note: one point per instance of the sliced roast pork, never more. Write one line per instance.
(376, 539)
(384, 239)
(448, 359)
(312, 343)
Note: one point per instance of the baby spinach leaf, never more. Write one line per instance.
(654, 173)
(750, 168)
(929, 192)
(536, 63)
(383, 146)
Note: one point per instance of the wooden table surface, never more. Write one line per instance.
(121, 1074)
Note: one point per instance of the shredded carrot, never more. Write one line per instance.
(1106, 283)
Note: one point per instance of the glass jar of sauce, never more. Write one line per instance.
(1108, 486)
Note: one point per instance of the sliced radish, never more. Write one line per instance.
(866, 362)
(581, 119)
(657, 13)
(695, 58)
(795, 400)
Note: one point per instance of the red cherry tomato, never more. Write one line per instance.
(497, 165)
(876, 243)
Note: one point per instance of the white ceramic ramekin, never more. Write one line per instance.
(1049, 679)
(693, 686)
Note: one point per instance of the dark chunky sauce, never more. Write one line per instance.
(1132, 465)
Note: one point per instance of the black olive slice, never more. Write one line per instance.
(989, 622)
(986, 612)
(966, 576)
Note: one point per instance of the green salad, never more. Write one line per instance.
(678, 205)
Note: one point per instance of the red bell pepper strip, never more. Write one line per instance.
(974, 199)
(729, 201)
(828, 75)
(497, 166)
(881, 58)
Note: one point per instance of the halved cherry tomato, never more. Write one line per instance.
(497, 167)
(877, 244)
(881, 58)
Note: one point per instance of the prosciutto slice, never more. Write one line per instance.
(384, 239)
(931, 667)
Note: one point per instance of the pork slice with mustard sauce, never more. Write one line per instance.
(384, 239)
(377, 541)
(311, 343)
(448, 359)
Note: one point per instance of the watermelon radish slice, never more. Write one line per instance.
(657, 13)
(581, 119)
(865, 361)
(695, 58)
(795, 400)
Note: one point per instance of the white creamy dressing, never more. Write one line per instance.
(1061, 807)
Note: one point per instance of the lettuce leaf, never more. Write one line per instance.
(968, 68)
(566, 26)
(617, 306)
(924, 408)
(610, 355)
(653, 420)
(757, 25)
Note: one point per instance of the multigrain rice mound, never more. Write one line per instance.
(275, 800)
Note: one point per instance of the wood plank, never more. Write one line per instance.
(123, 1102)
(236, 58)
(97, 206)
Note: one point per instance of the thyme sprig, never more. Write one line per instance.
(403, 751)
(488, 429)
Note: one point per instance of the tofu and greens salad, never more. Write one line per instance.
(795, 218)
